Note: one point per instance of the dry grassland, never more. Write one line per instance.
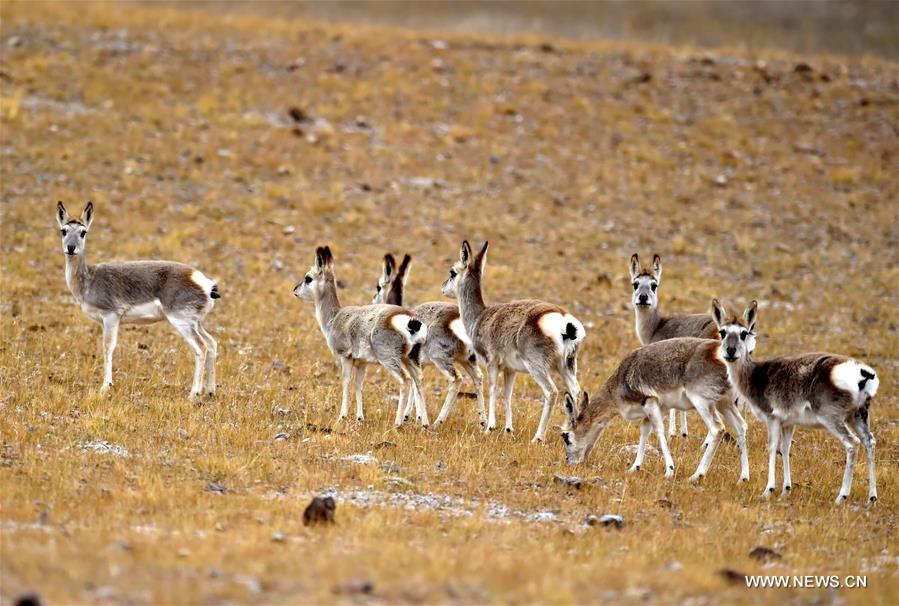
(764, 176)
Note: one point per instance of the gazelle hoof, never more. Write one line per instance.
(872, 499)
(633, 469)
(405, 418)
(841, 499)
(744, 479)
(696, 477)
(683, 434)
(768, 492)
(508, 430)
(360, 417)
(341, 418)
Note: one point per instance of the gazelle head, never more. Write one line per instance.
(645, 282)
(74, 229)
(737, 335)
(578, 431)
(392, 281)
(321, 271)
(467, 265)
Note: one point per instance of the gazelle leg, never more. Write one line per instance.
(672, 423)
(211, 355)
(773, 443)
(864, 433)
(477, 378)
(360, 368)
(409, 403)
(658, 423)
(550, 391)
(508, 386)
(645, 430)
(738, 424)
(705, 409)
(414, 373)
(188, 331)
(110, 339)
(397, 371)
(683, 423)
(346, 375)
(786, 440)
(850, 444)
(452, 391)
(493, 386)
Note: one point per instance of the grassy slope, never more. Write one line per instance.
(161, 117)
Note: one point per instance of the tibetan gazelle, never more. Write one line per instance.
(139, 292)
(820, 390)
(685, 373)
(446, 346)
(652, 326)
(521, 336)
(368, 334)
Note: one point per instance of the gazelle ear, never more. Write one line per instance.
(570, 410)
(87, 215)
(481, 261)
(584, 400)
(403, 272)
(320, 258)
(750, 315)
(465, 253)
(389, 265)
(635, 266)
(718, 313)
(657, 267)
(62, 217)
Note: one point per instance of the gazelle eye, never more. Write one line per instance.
(82, 234)
(743, 335)
(654, 286)
(308, 279)
(63, 231)
(379, 288)
(452, 273)
(636, 285)
(722, 333)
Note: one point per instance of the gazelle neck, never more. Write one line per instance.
(739, 373)
(471, 301)
(327, 304)
(76, 275)
(647, 323)
(395, 293)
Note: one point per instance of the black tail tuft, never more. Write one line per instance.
(214, 293)
(570, 332)
(415, 354)
(472, 358)
(414, 325)
(866, 376)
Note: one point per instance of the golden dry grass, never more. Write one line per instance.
(750, 178)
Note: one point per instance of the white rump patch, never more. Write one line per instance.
(458, 329)
(400, 323)
(554, 325)
(848, 375)
(202, 281)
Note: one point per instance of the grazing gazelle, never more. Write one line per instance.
(368, 334)
(652, 326)
(521, 336)
(139, 292)
(446, 344)
(811, 390)
(684, 372)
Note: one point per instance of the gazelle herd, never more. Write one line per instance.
(697, 362)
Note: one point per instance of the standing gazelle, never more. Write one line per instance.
(368, 334)
(521, 336)
(652, 326)
(811, 390)
(139, 292)
(446, 345)
(685, 373)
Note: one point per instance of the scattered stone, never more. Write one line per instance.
(803, 68)
(277, 265)
(609, 520)
(182, 433)
(721, 180)
(280, 366)
(764, 554)
(385, 444)
(14, 41)
(280, 437)
(278, 537)
(288, 229)
(734, 577)
(298, 115)
(360, 459)
(572, 481)
(665, 504)
(29, 599)
(320, 511)
(390, 467)
(216, 488)
(183, 552)
(359, 586)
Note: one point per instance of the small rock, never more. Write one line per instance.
(320, 511)
(277, 264)
(216, 488)
(288, 229)
(182, 433)
(385, 444)
(278, 537)
(13, 42)
(732, 576)
(298, 115)
(390, 467)
(29, 599)
(721, 180)
(803, 68)
(358, 586)
(572, 481)
(763, 554)
(183, 552)
(665, 504)
(280, 437)
(609, 520)
(280, 367)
